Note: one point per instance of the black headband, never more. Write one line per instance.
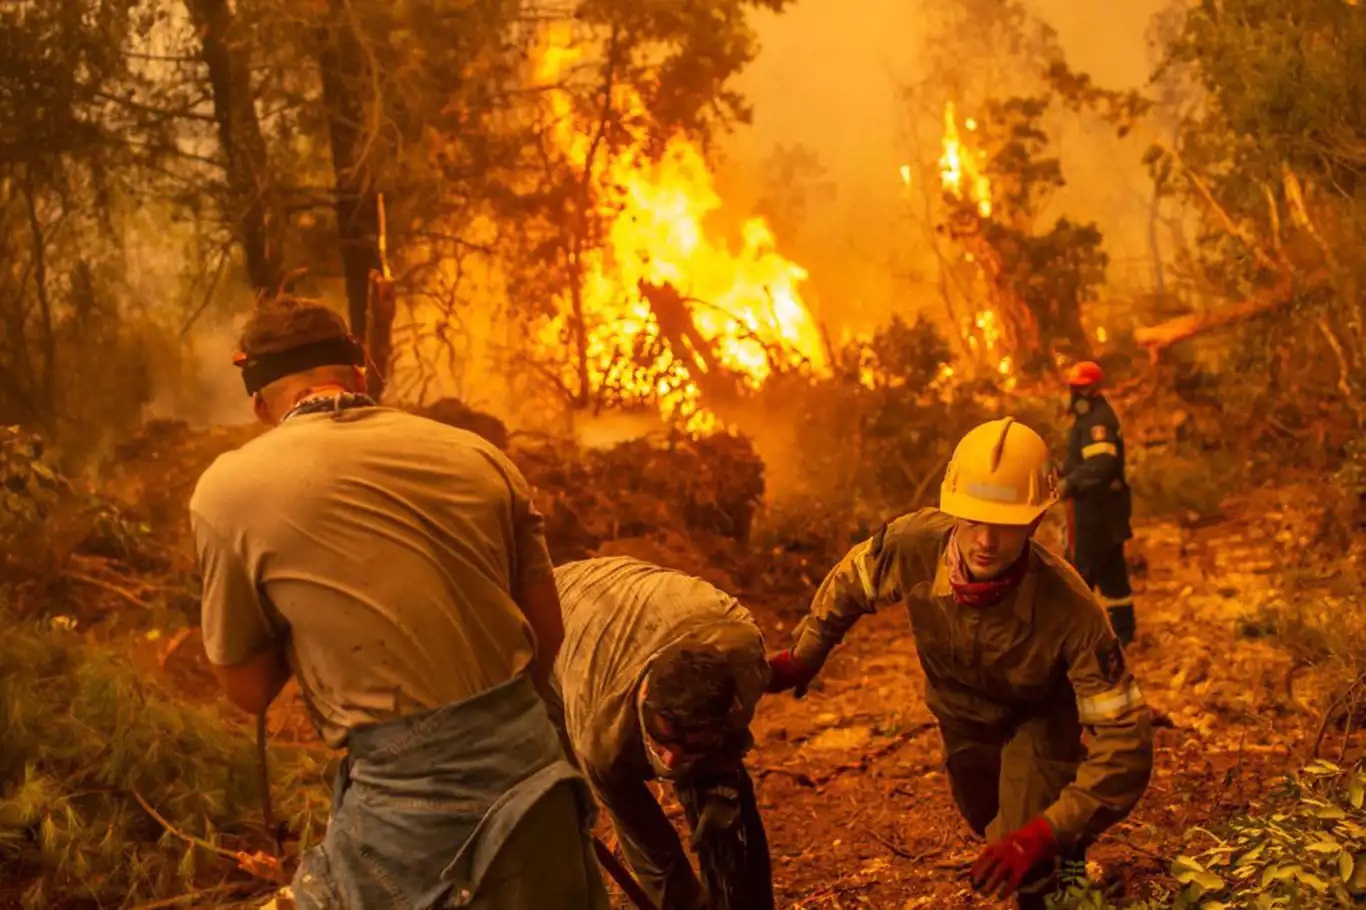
(263, 369)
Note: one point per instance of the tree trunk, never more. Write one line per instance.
(46, 378)
(1158, 338)
(249, 208)
(342, 64)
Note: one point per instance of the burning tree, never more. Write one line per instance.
(1013, 278)
(1034, 280)
(640, 304)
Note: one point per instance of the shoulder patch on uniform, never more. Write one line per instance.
(1099, 432)
(1110, 657)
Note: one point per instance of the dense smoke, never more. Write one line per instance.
(831, 83)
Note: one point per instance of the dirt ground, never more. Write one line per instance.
(857, 808)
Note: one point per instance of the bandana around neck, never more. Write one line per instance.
(330, 402)
(969, 593)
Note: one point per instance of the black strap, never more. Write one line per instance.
(263, 369)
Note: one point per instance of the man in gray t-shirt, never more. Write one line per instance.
(397, 568)
(657, 679)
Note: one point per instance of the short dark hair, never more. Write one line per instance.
(286, 322)
(692, 686)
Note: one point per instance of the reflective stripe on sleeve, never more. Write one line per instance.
(1109, 705)
(1099, 448)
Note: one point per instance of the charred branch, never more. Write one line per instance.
(717, 384)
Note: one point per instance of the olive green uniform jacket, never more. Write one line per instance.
(1013, 686)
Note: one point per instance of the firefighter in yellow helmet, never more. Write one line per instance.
(1019, 660)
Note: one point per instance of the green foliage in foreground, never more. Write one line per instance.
(1306, 848)
(81, 732)
(28, 484)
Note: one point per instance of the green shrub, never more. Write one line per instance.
(82, 735)
(1168, 482)
(876, 435)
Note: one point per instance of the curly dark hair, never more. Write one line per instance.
(285, 322)
(692, 686)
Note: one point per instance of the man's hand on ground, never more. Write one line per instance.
(786, 672)
(1004, 864)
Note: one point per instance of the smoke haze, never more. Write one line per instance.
(828, 81)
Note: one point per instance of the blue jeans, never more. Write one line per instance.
(431, 810)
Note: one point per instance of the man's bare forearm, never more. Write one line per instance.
(255, 682)
(540, 603)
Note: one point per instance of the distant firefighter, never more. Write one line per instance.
(1018, 657)
(658, 679)
(1100, 503)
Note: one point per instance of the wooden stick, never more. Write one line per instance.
(629, 886)
(245, 861)
(105, 586)
(187, 838)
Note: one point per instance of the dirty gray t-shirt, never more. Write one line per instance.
(619, 613)
(382, 548)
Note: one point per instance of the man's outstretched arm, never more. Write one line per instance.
(852, 589)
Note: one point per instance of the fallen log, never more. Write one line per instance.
(1159, 337)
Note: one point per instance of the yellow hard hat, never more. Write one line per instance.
(1000, 474)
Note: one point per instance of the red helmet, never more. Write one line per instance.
(1086, 373)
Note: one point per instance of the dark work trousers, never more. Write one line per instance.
(1001, 780)
(1102, 566)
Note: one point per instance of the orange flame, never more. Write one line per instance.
(745, 303)
(963, 174)
(958, 163)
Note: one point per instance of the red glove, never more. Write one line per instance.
(1003, 865)
(786, 672)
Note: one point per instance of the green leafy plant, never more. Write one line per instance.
(1306, 848)
(1309, 851)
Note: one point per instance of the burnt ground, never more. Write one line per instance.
(857, 809)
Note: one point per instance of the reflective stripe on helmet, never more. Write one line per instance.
(993, 491)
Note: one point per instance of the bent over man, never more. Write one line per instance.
(658, 679)
(1101, 506)
(396, 567)
(1019, 660)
